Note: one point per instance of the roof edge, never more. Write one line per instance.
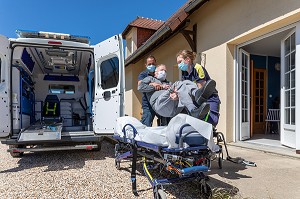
(155, 37)
(193, 5)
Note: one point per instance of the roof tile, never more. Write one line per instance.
(142, 22)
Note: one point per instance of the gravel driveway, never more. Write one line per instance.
(75, 174)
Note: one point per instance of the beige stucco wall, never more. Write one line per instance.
(221, 25)
(129, 95)
(131, 36)
(224, 24)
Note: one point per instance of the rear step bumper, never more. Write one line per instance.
(64, 140)
(55, 148)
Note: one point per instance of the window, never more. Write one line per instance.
(109, 73)
(61, 89)
(290, 86)
(245, 91)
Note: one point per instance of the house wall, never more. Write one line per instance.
(224, 24)
(132, 38)
(129, 95)
(221, 26)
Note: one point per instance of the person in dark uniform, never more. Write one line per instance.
(198, 74)
(148, 113)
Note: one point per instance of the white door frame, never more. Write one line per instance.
(237, 113)
(287, 131)
(297, 63)
(5, 81)
(244, 104)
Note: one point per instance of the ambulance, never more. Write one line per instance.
(58, 92)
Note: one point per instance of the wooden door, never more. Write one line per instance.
(258, 102)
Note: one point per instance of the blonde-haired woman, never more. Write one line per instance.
(198, 74)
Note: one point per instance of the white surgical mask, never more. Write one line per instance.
(161, 75)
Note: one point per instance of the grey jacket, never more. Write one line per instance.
(150, 91)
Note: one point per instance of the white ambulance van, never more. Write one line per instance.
(58, 92)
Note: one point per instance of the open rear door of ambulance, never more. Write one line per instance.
(5, 120)
(108, 102)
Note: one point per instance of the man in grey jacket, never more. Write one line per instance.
(169, 100)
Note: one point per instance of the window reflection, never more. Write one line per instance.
(109, 73)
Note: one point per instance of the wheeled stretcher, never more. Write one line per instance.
(175, 153)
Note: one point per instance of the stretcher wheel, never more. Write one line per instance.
(220, 159)
(160, 194)
(117, 164)
(220, 162)
(117, 153)
(117, 148)
(205, 190)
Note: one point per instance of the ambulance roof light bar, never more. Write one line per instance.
(52, 35)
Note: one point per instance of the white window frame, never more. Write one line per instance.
(283, 103)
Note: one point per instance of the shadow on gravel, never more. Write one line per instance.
(61, 160)
(230, 170)
(186, 190)
(191, 190)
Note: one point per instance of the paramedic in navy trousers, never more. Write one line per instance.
(148, 112)
(199, 75)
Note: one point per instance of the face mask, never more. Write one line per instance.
(183, 66)
(162, 75)
(151, 68)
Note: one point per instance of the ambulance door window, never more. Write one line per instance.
(110, 73)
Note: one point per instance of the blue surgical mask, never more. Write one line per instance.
(183, 66)
(151, 68)
(162, 75)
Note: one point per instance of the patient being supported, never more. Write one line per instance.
(159, 93)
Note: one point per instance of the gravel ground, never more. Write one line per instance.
(76, 174)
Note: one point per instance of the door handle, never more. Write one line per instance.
(106, 95)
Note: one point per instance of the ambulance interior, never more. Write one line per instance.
(52, 86)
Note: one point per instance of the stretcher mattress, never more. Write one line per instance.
(166, 135)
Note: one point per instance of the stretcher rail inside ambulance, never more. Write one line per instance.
(59, 92)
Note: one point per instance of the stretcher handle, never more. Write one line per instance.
(180, 134)
(182, 138)
(181, 129)
(134, 130)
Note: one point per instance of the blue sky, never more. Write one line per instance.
(98, 19)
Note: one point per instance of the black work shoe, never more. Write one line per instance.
(205, 92)
(201, 112)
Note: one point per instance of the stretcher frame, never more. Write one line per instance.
(193, 161)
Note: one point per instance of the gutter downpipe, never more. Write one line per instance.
(154, 38)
